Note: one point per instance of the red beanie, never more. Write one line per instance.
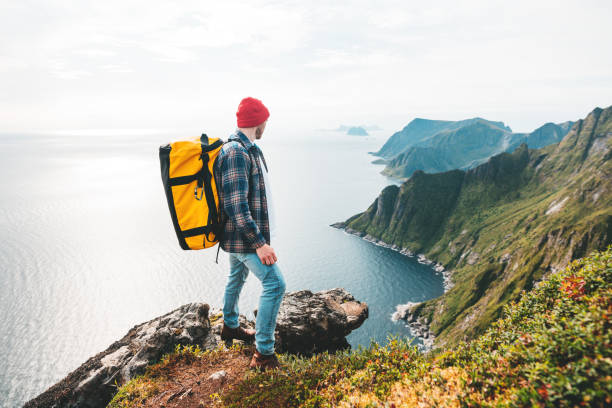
(251, 112)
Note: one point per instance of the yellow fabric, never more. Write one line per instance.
(190, 212)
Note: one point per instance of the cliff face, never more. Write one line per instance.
(502, 225)
(413, 211)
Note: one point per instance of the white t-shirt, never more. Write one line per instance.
(271, 213)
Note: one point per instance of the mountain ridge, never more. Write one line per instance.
(420, 129)
(467, 146)
(502, 225)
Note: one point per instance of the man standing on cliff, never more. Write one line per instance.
(245, 200)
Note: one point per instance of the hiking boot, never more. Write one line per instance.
(238, 333)
(263, 361)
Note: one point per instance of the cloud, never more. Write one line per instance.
(116, 68)
(356, 59)
(179, 62)
(61, 70)
(95, 53)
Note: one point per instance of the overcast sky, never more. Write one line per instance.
(75, 64)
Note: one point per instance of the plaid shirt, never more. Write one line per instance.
(242, 196)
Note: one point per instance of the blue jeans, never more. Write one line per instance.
(273, 285)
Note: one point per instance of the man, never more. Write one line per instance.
(249, 225)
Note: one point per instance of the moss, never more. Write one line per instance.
(216, 318)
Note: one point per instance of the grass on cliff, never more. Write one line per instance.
(553, 347)
(181, 378)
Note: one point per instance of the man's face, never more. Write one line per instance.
(260, 130)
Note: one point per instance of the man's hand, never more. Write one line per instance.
(266, 254)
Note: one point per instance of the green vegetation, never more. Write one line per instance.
(551, 348)
(326, 379)
(502, 225)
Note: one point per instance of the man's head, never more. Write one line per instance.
(252, 116)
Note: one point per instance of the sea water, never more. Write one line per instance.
(88, 248)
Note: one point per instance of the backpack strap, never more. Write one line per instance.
(204, 182)
(262, 158)
(257, 149)
(219, 231)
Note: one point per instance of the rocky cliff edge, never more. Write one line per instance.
(307, 323)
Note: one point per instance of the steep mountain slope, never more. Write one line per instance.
(467, 147)
(502, 225)
(421, 129)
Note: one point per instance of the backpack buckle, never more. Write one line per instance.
(195, 193)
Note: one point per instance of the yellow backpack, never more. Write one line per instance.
(187, 174)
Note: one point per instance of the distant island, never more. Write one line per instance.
(357, 131)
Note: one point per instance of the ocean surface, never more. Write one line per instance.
(88, 249)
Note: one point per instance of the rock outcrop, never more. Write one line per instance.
(307, 323)
(313, 322)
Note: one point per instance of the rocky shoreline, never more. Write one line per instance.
(419, 326)
(307, 323)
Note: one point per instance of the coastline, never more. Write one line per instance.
(438, 267)
(419, 326)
